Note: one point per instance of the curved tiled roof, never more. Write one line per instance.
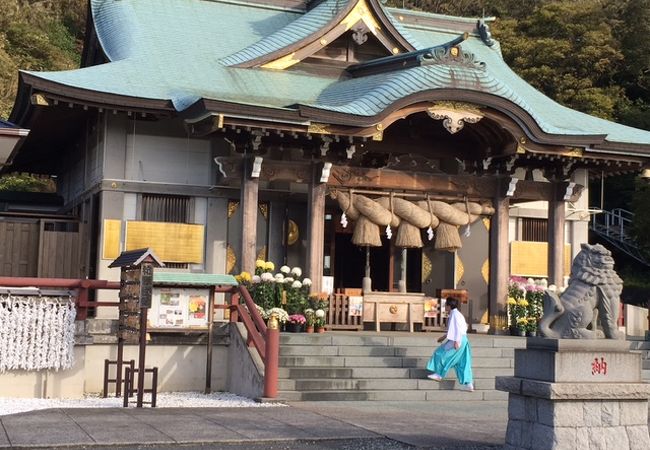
(175, 50)
(301, 28)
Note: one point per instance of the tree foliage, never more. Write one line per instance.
(37, 35)
(25, 182)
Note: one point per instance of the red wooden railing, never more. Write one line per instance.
(266, 340)
(83, 288)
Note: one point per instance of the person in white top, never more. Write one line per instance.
(455, 351)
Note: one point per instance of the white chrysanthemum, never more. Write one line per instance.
(296, 284)
(543, 282)
(267, 276)
(279, 277)
(289, 280)
(285, 269)
(306, 282)
(309, 311)
(320, 313)
(280, 313)
(296, 271)
(256, 279)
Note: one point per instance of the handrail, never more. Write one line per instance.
(82, 285)
(266, 340)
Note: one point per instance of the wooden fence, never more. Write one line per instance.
(41, 247)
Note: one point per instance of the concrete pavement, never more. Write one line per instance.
(368, 425)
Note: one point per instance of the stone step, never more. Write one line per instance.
(297, 373)
(380, 351)
(397, 340)
(327, 384)
(386, 361)
(393, 395)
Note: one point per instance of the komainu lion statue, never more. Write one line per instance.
(593, 293)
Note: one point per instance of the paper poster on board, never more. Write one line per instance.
(170, 308)
(197, 307)
(431, 307)
(180, 307)
(355, 305)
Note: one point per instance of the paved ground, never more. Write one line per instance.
(305, 425)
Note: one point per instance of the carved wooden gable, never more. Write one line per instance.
(359, 31)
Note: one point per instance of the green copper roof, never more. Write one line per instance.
(192, 279)
(179, 51)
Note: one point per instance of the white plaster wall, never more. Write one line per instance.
(636, 320)
(180, 368)
(171, 160)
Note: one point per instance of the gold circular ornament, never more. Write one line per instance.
(392, 309)
(293, 233)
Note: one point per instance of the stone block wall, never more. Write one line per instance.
(542, 424)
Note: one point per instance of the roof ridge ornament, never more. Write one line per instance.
(453, 55)
(484, 32)
(445, 53)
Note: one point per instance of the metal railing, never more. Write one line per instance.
(615, 227)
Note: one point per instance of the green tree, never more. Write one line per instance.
(37, 35)
(25, 182)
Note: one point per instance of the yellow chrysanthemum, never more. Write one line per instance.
(512, 301)
(260, 263)
(269, 266)
(522, 302)
(522, 320)
(245, 276)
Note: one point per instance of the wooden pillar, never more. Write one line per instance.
(499, 265)
(556, 226)
(316, 237)
(249, 205)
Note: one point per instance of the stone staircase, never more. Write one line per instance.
(385, 366)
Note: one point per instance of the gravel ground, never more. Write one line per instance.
(10, 405)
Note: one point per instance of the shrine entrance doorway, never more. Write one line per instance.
(346, 261)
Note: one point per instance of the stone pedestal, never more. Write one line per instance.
(576, 394)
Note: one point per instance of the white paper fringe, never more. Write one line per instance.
(36, 332)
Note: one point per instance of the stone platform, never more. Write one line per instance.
(575, 394)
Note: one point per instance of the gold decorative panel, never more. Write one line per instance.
(262, 254)
(460, 269)
(485, 270)
(264, 209)
(112, 235)
(427, 267)
(232, 208)
(231, 259)
(172, 242)
(530, 259)
(486, 222)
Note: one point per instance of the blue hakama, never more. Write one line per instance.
(447, 357)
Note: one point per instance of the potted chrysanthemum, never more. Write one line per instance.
(295, 323)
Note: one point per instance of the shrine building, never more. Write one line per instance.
(380, 149)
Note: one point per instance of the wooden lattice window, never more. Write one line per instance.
(535, 230)
(167, 208)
